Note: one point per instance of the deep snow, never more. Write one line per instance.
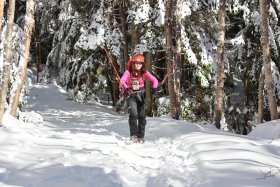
(80, 145)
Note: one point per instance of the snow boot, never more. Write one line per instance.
(134, 138)
(141, 140)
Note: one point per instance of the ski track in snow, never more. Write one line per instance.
(95, 152)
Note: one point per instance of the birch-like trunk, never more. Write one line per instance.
(266, 59)
(220, 65)
(1, 13)
(28, 28)
(7, 58)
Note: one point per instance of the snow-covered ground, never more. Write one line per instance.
(87, 146)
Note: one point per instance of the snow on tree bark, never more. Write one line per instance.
(220, 65)
(266, 59)
(7, 59)
(28, 28)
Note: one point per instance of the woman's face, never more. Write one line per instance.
(138, 65)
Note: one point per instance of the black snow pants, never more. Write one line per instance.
(137, 115)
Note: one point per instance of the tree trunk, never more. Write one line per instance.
(38, 52)
(149, 97)
(178, 65)
(115, 82)
(220, 65)
(125, 38)
(7, 58)
(1, 13)
(260, 99)
(266, 59)
(173, 104)
(246, 86)
(134, 37)
(28, 28)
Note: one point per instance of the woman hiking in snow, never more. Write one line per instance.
(132, 82)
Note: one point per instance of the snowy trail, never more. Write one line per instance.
(86, 140)
(86, 146)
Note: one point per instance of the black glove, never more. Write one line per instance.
(159, 88)
(127, 92)
(154, 91)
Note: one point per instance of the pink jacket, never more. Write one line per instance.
(126, 80)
